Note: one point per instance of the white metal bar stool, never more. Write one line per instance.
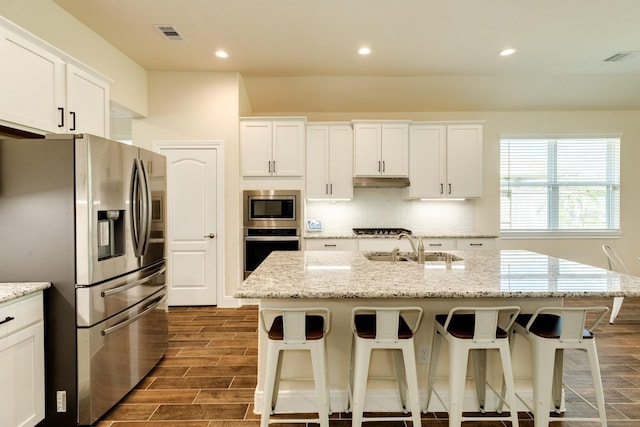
(295, 329)
(384, 328)
(551, 330)
(477, 329)
(615, 264)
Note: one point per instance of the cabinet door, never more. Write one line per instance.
(368, 139)
(427, 168)
(22, 377)
(395, 149)
(87, 103)
(31, 84)
(317, 162)
(464, 160)
(256, 148)
(340, 162)
(288, 148)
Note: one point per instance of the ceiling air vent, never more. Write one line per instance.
(170, 32)
(620, 56)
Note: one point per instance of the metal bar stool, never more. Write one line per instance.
(477, 329)
(295, 329)
(384, 328)
(551, 330)
(615, 263)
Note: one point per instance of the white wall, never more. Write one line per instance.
(191, 106)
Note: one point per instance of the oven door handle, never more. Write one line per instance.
(130, 320)
(272, 238)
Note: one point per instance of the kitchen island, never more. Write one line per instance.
(343, 280)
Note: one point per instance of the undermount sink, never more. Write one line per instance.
(408, 256)
(388, 256)
(441, 256)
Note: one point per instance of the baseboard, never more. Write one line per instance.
(379, 400)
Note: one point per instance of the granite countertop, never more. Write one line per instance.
(10, 291)
(484, 274)
(346, 235)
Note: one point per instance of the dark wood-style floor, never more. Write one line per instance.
(208, 376)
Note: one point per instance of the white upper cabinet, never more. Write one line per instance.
(329, 162)
(272, 147)
(31, 84)
(87, 103)
(45, 90)
(446, 161)
(381, 149)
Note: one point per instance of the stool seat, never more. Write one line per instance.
(365, 325)
(547, 326)
(463, 326)
(314, 328)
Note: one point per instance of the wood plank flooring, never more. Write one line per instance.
(208, 375)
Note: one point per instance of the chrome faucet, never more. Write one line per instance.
(419, 252)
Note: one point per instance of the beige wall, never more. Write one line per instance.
(195, 106)
(48, 21)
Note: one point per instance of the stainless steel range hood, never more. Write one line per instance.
(380, 182)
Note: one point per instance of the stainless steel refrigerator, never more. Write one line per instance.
(87, 214)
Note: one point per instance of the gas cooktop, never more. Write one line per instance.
(380, 231)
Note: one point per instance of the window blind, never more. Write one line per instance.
(560, 184)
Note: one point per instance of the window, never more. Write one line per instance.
(559, 186)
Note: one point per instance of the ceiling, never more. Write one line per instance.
(427, 55)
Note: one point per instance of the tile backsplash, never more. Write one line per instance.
(388, 207)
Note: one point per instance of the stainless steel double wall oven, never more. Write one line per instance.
(272, 221)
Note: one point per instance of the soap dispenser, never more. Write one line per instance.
(420, 250)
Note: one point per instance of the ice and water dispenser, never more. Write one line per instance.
(110, 234)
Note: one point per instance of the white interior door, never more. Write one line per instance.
(194, 222)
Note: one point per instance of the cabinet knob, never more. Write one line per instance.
(210, 236)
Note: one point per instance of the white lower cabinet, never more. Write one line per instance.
(331, 245)
(435, 245)
(475, 244)
(22, 361)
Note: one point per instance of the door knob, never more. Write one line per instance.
(210, 235)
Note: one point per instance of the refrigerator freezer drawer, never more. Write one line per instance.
(114, 355)
(98, 302)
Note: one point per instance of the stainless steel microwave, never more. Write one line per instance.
(271, 208)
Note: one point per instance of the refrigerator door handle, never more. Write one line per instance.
(139, 209)
(146, 212)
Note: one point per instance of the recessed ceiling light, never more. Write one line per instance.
(508, 51)
(364, 51)
(222, 54)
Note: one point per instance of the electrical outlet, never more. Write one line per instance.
(423, 355)
(61, 401)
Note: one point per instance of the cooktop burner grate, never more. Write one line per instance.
(381, 231)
